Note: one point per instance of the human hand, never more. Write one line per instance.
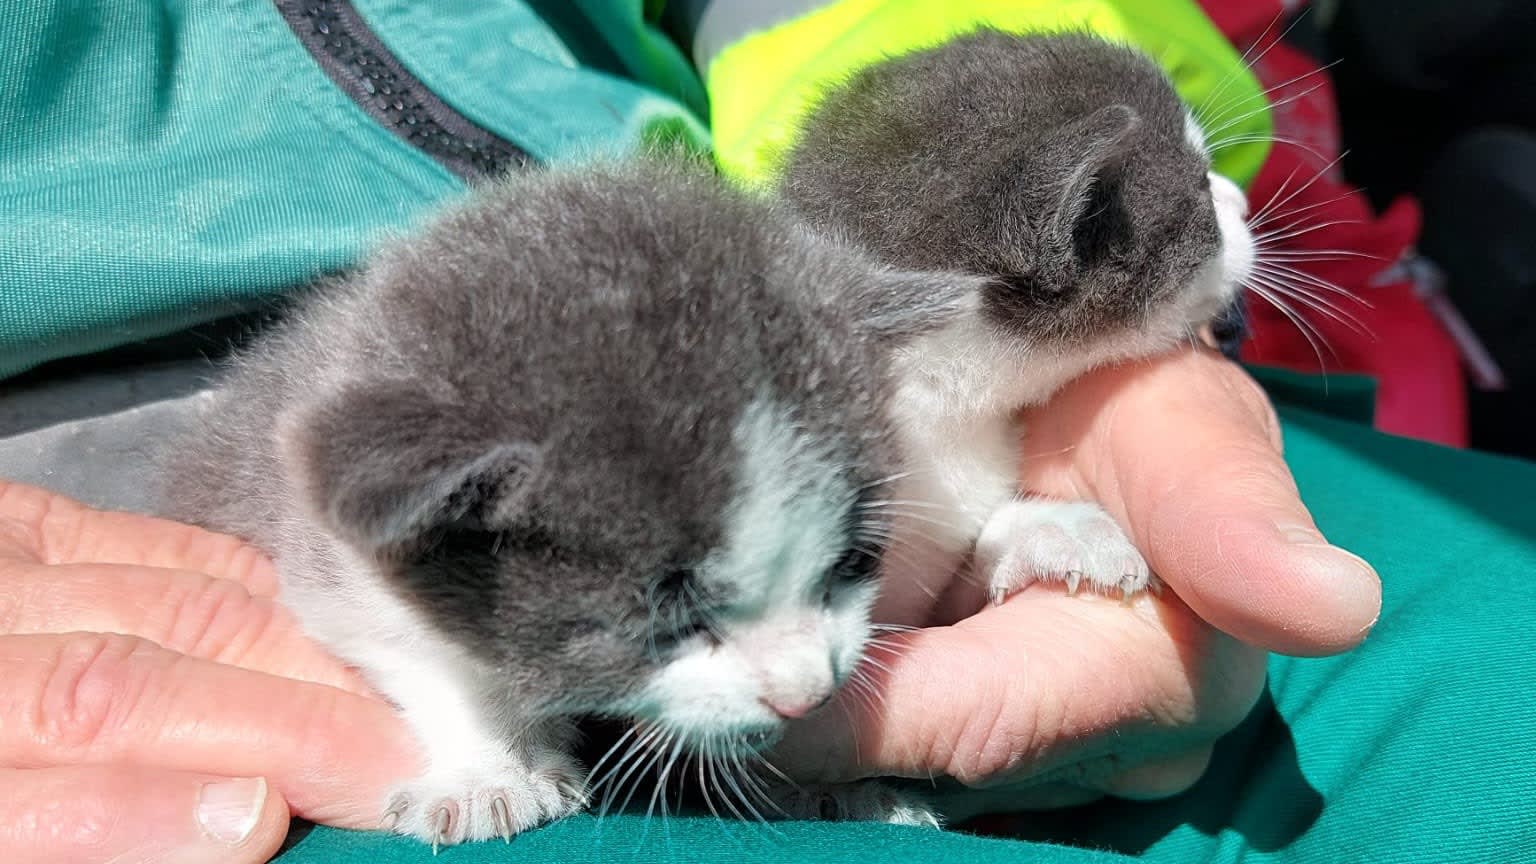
(1050, 700)
(158, 705)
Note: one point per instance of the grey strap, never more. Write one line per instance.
(109, 461)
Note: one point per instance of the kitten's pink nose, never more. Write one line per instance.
(794, 707)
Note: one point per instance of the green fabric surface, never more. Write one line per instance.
(162, 164)
(1341, 395)
(1412, 748)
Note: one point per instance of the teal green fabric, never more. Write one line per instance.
(1342, 395)
(165, 163)
(1412, 749)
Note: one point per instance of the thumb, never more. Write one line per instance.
(1260, 569)
(1212, 504)
(1186, 452)
(84, 814)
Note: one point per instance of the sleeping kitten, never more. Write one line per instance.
(593, 443)
(1065, 171)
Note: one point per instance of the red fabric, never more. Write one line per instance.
(1309, 210)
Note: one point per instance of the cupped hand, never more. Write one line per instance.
(1049, 700)
(158, 705)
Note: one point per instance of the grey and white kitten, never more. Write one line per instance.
(1065, 171)
(596, 442)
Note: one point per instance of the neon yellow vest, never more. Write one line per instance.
(762, 86)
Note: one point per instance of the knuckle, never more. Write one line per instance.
(213, 618)
(92, 685)
(998, 741)
(74, 824)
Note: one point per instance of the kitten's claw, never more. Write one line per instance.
(489, 800)
(393, 813)
(998, 596)
(863, 801)
(443, 821)
(1033, 540)
(501, 818)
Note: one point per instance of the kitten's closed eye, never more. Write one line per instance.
(860, 564)
(678, 612)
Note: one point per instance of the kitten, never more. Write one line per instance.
(1066, 172)
(596, 442)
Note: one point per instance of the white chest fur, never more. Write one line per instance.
(958, 393)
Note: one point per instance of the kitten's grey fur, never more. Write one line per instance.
(1065, 171)
(595, 441)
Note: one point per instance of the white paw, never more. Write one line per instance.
(1075, 542)
(867, 801)
(444, 808)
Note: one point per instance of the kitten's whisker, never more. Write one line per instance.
(1274, 200)
(1255, 222)
(1315, 255)
(901, 475)
(1284, 234)
(1281, 202)
(648, 755)
(1266, 105)
(1266, 92)
(1274, 139)
(1244, 60)
(1286, 272)
(886, 503)
(635, 747)
(717, 770)
(659, 791)
(655, 759)
(1319, 304)
(737, 777)
(706, 757)
(597, 766)
(758, 788)
(1296, 319)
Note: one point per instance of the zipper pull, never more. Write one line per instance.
(1429, 285)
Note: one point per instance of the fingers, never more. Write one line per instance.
(52, 529)
(1038, 684)
(1156, 778)
(190, 613)
(91, 698)
(1185, 451)
(88, 814)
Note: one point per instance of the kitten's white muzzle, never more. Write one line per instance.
(1237, 246)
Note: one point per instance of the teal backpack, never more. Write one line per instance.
(163, 164)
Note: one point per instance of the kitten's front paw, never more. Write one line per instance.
(448, 807)
(866, 801)
(1029, 540)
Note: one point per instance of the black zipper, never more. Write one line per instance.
(354, 58)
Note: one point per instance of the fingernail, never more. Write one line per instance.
(229, 809)
(1355, 588)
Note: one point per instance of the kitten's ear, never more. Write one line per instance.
(904, 304)
(387, 464)
(1079, 162)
